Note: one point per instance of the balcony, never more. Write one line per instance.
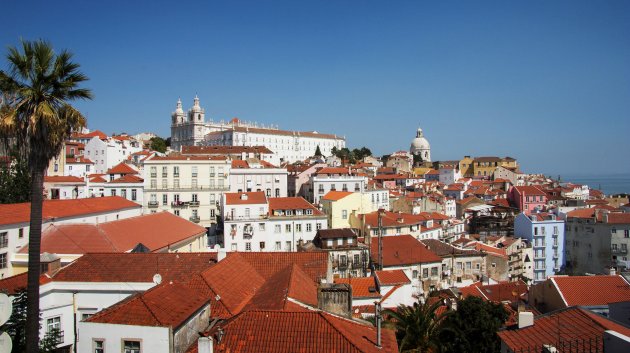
(194, 219)
(153, 204)
(179, 204)
(193, 204)
(619, 251)
(245, 218)
(189, 187)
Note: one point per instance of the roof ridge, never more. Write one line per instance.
(321, 313)
(141, 297)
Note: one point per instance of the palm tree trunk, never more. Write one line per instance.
(34, 246)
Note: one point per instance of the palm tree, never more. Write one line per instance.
(417, 326)
(39, 118)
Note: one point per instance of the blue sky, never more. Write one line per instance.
(547, 82)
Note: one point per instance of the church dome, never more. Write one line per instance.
(419, 143)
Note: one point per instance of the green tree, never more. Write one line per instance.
(417, 326)
(318, 152)
(158, 144)
(473, 326)
(15, 181)
(15, 327)
(39, 117)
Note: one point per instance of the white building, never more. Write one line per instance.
(191, 129)
(253, 222)
(255, 175)
(14, 224)
(108, 152)
(449, 175)
(331, 179)
(79, 167)
(188, 186)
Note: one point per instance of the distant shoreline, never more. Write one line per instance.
(610, 184)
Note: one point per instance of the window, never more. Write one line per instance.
(211, 171)
(287, 228)
(278, 246)
(309, 227)
(247, 213)
(261, 227)
(3, 260)
(415, 274)
(131, 346)
(176, 172)
(4, 239)
(277, 192)
(434, 271)
(99, 346)
(153, 183)
(21, 233)
(134, 195)
(176, 212)
(123, 193)
(298, 228)
(344, 214)
(318, 226)
(626, 233)
(113, 192)
(164, 199)
(262, 245)
(535, 230)
(53, 323)
(277, 229)
(194, 171)
(248, 246)
(164, 172)
(233, 246)
(425, 272)
(287, 246)
(153, 172)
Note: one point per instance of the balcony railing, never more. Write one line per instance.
(193, 204)
(195, 219)
(619, 251)
(153, 204)
(245, 218)
(179, 204)
(189, 187)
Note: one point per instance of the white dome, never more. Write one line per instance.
(420, 143)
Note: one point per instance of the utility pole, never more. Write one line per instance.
(380, 239)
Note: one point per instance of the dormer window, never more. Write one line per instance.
(289, 212)
(309, 212)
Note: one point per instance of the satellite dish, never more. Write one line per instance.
(157, 278)
(5, 342)
(6, 308)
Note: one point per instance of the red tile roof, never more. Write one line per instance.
(336, 195)
(63, 179)
(115, 267)
(392, 277)
(245, 198)
(156, 231)
(500, 292)
(128, 179)
(361, 287)
(400, 250)
(179, 157)
(313, 263)
(592, 290)
(572, 327)
(121, 168)
(95, 133)
(225, 149)
(20, 212)
(530, 190)
(165, 305)
(79, 160)
(306, 332)
(487, 249)
(97, 179)
(14, 284)
(290, 283)
(238, 163)
(291, 203)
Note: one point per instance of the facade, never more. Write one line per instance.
(449, 175)
(253, 222)
(79, 167)
(192, 129)
(546, 234)
(349, 258)
(255, 175)
(108, 152)
(333, 179)
(339, 206)
(596, 241)
(460, 267)
(527, 198)
(64, 187)
(188, 186)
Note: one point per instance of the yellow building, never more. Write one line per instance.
(467, 167)
(485, 166)
(340, 205)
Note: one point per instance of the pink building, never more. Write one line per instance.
(527, 198)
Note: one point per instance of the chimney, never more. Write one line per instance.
(335, 298)
(243, 196)
(221, 254)
(205, 345)
(525, 319)
(49, 263)
(605, 217)
(613, 271)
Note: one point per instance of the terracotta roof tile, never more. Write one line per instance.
(314, 264)
(63, 179)
(362, 287)
(336, 195)
(292, 282)
(311, 331)
(399, 250)
(165, 305)
(245, 198)
(122, 168)
(392, 277)
(291, 203)
(127, 179)
(20, 212)
(530, 190)
(575, 327)
(114, 267)
(588, 290)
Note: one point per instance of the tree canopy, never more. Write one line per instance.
(353, 155)
(158, 144)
